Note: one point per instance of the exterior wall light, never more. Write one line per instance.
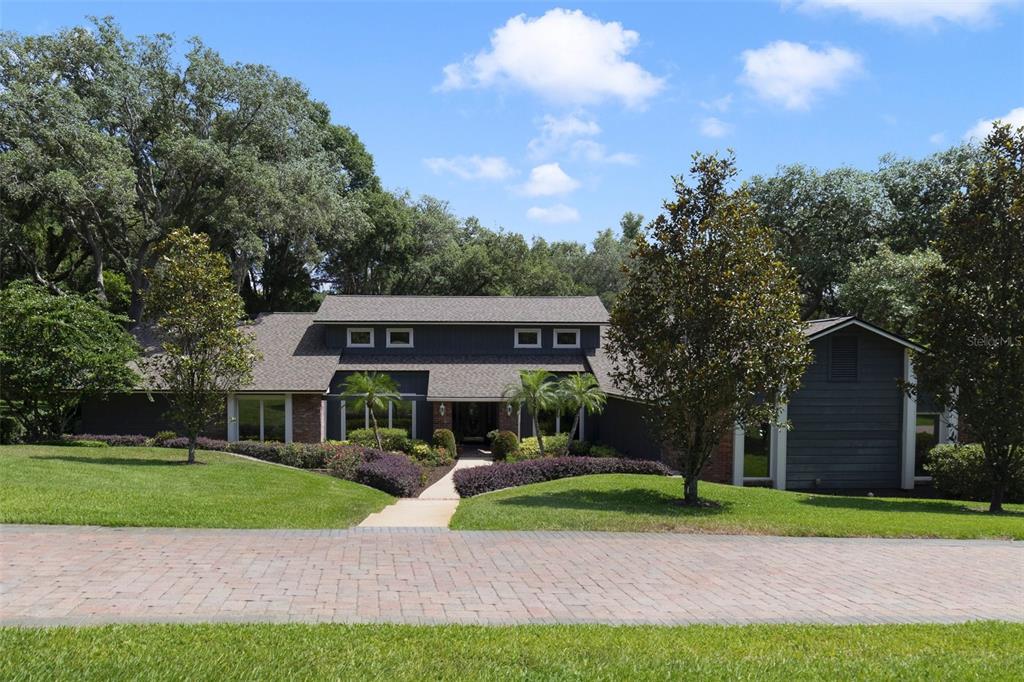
(440, 410)
(508, 409)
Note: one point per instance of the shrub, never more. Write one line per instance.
(343, 460)
(505, 443)
(959, 472)
(428, 455)
(598, 450)
(554, 446)
(580, 448)
(393, 473)
(119, 440)
(11, 430)
(395, 440)
(162, 436)
(477, 480)
(202, 442)
(444, 438)
(79, 443)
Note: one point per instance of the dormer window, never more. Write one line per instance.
(360, 337)
(527, 338)
(400, 337)
(567, 338)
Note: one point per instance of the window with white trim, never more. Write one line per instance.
(261, 418)
(401, 414)
(527, 338)
(360, 337)
(567, 338)
(399, 337)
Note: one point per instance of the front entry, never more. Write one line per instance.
(471, 422)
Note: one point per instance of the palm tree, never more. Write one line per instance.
(537, 392)
(578, 392)
(373, 391)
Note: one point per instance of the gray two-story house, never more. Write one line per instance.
(452, 357)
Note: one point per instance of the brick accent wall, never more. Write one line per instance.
(719, 467)
(506, 421)
(441, 421)
(307, 419)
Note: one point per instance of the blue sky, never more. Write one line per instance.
(554, 119)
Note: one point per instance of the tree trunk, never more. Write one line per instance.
(536, 432)
(690, 498)
(191, 449)
(376, 431)
(572, 431)
(995, 505)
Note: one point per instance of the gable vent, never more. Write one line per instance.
(844, 358)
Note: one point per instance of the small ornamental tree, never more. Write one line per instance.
(580, 392)
(537, 391)
(707, 330)
(55, 352)
(972, 315)
(372, 391)
(206, 354)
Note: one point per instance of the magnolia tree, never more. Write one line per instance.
(205, 353)
(972, 316)
(707, 330)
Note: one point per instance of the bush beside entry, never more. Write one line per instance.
(444, 438)
(477, 480)
(960, 472)
(505, 443)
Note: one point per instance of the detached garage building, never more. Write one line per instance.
(853, 425)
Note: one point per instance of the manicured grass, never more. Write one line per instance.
(974, 651)
(629, 502)
(114, 486)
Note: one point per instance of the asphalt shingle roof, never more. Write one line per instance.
(463, 309)
(454, 377)
(294, 355)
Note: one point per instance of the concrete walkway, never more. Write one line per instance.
(434, 507)
(75, 575)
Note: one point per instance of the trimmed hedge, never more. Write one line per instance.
(477, 480)
(393, 473)
(115, 440)
(505, 443)
(959, 472)
(554, 446)
(393, 440)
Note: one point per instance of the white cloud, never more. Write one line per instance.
(720, 105)
(937, 138)
(713, 127)
(549, 180)
(793, 75)
(980, 130)
(472, 167)
(564, 56)
(912, 12)
(559, 213)
(572, 133)
(589, 150)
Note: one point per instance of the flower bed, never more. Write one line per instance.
(477, 480)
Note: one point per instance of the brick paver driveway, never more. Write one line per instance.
(62, 574)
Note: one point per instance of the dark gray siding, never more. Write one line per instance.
(464, 339)
(133, 413)
(624, 426)
(413, 383)
(847, 434)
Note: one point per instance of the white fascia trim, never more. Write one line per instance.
(870, 328)
(390, 344)
(348, 337)
(536, 330)
(909, 449)
(566, 330)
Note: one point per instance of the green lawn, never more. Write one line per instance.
(115, 486)
(973, 651)
(623, 502)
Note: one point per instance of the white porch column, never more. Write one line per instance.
(738, 447)
(232, 431)
(909, 426)
(287, 417)
(777, 458)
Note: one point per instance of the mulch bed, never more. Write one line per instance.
(433, 475)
